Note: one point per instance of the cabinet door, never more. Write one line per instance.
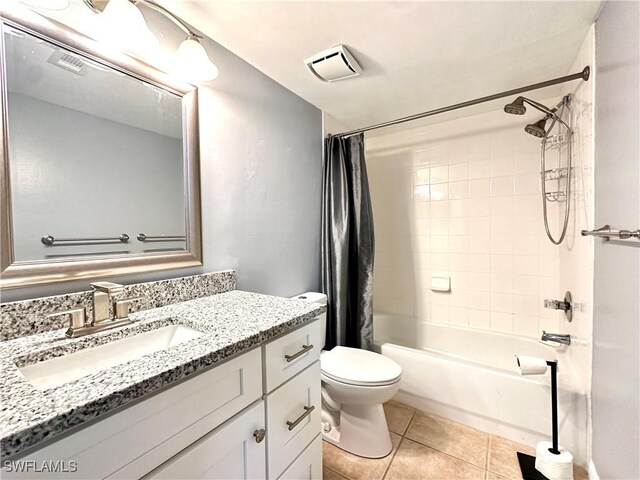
(229, 452)
(293, 418)
(308, 466)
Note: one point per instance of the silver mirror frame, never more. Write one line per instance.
(20, 274)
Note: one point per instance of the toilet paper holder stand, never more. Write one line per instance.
(528, 462)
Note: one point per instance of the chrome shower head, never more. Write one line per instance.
(537, 129)
(516, 107)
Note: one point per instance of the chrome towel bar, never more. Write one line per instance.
(160, 238)
(606, 233)
(51, 240)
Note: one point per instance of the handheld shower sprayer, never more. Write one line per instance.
(538, 129)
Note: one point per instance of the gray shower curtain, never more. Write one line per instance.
(347, 244)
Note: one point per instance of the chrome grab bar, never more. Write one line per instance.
(307, 412)
(51, 240)
(159, 238)
(305, 349)
(606, 233)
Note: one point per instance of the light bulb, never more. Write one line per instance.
(192, 63)
(48, 4)
(123, 26)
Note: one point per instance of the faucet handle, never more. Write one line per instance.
(556, 304)
(565, 305)
(121, 307)
(78, 319)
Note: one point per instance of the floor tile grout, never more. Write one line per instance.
(332, 470)
(445, 453)
(486, 466)
(393, 457)
(409, 423)
(484, 472)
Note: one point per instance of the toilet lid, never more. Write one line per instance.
(359, 367)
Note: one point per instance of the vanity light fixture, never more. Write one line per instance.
(122, 25)
(190, 61)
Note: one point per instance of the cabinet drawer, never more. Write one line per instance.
(290, 354)
(137, 439)
(308, 466)
(293, 418)
(229, 452)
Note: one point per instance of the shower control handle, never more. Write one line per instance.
(557, 305)
(565, 305)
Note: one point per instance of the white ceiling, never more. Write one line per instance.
(415, 55)
(101, 91)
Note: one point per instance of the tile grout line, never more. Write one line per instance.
(332, 470)
(404, 433)
(486, 467)
(393, 457)
(445, 453)
(402, 437)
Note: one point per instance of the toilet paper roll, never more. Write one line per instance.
(554, 467)
(531, 365)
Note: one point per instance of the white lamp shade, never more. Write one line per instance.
(48, 4)
(192, 63)
(122, 25)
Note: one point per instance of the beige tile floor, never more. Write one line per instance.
(429, 447)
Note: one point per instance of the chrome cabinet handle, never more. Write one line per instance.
(305, 349)
(307, 412)
(259, 435)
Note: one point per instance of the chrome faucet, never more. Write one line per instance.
(103, 292)
(107, 312)
(556, 337)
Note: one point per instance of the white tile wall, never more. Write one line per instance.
(577, 252)
(462, 198)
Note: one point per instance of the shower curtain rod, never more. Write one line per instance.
(584, 75)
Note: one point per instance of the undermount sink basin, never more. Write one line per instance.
(60, 370)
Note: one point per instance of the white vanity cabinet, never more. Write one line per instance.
(229, 452)
(254, 416)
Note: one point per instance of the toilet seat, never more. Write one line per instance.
(353, 366)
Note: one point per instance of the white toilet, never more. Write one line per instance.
(355, 384)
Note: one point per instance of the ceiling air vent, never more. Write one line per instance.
(333, 64)
(68, 62)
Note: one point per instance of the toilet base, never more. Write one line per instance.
(362, 431)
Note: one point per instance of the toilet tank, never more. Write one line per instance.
(321, 298)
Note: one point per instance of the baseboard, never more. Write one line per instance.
(593, 474)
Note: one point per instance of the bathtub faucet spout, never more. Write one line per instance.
(556, 337)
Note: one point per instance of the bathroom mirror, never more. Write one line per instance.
(100, 160)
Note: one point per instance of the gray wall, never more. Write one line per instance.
(616, 322)
(261, 156)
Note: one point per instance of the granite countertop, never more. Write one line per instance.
(232, 322)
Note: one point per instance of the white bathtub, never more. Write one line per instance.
(470, 376)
